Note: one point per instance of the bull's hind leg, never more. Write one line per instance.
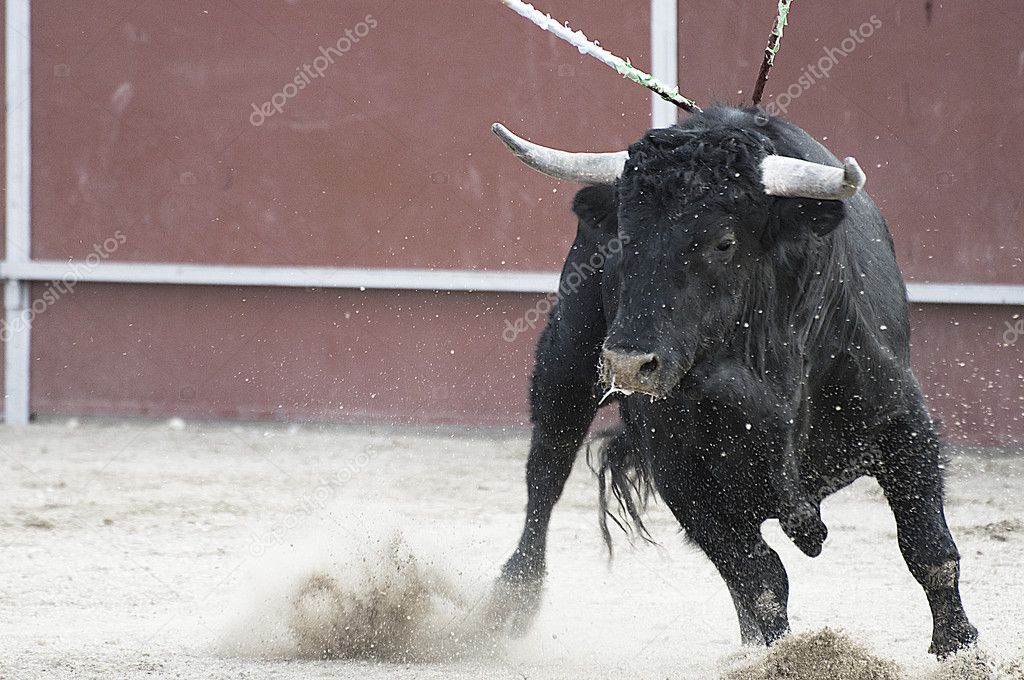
(911, 478)
(563, 399)
(559, 429)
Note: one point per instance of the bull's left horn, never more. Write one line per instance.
(784, 176)
(585, 168)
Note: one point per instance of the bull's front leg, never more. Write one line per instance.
(799, 516)
(775, 432)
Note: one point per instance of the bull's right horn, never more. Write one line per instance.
(784, 176)
(585, 168)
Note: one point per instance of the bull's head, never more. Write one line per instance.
(703, 210)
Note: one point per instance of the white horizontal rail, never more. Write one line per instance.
(966, 293)
(399, 279)
(295, 277)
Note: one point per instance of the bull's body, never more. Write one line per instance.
(809, 387)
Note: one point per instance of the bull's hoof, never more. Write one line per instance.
(952, 639)
(804, 527)
(515, 597)
(514, 603)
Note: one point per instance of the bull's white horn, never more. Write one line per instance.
(784, 176)
(585, 168)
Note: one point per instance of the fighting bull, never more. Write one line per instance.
(750, 322)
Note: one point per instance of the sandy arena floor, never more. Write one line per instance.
(156, 550)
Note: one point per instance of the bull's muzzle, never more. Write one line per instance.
(632, 371)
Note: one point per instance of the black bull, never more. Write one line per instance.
(757, 347)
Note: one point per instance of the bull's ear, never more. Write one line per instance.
(798, 216)
(596, 207)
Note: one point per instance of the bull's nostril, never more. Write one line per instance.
(649, 368)
(630, 369)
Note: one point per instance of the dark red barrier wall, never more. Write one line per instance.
(283, 354)
(405, 357)
(142, 124)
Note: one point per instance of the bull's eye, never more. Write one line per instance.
(726, 244)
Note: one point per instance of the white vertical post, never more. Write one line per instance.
(17, 331)
(664, 58)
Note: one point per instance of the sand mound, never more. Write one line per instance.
(820, 655)
(1014, 670)
(376, 599)
(975, 664)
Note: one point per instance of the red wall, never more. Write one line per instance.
(142, 125)
(931, 104)
(282, 354)
(388, 160)
(408, 357)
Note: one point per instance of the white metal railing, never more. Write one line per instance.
(294, 277)
(399, 279)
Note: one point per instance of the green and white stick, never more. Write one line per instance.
(580, 41)
(774, 42)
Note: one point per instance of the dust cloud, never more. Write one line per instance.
(354, 595)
